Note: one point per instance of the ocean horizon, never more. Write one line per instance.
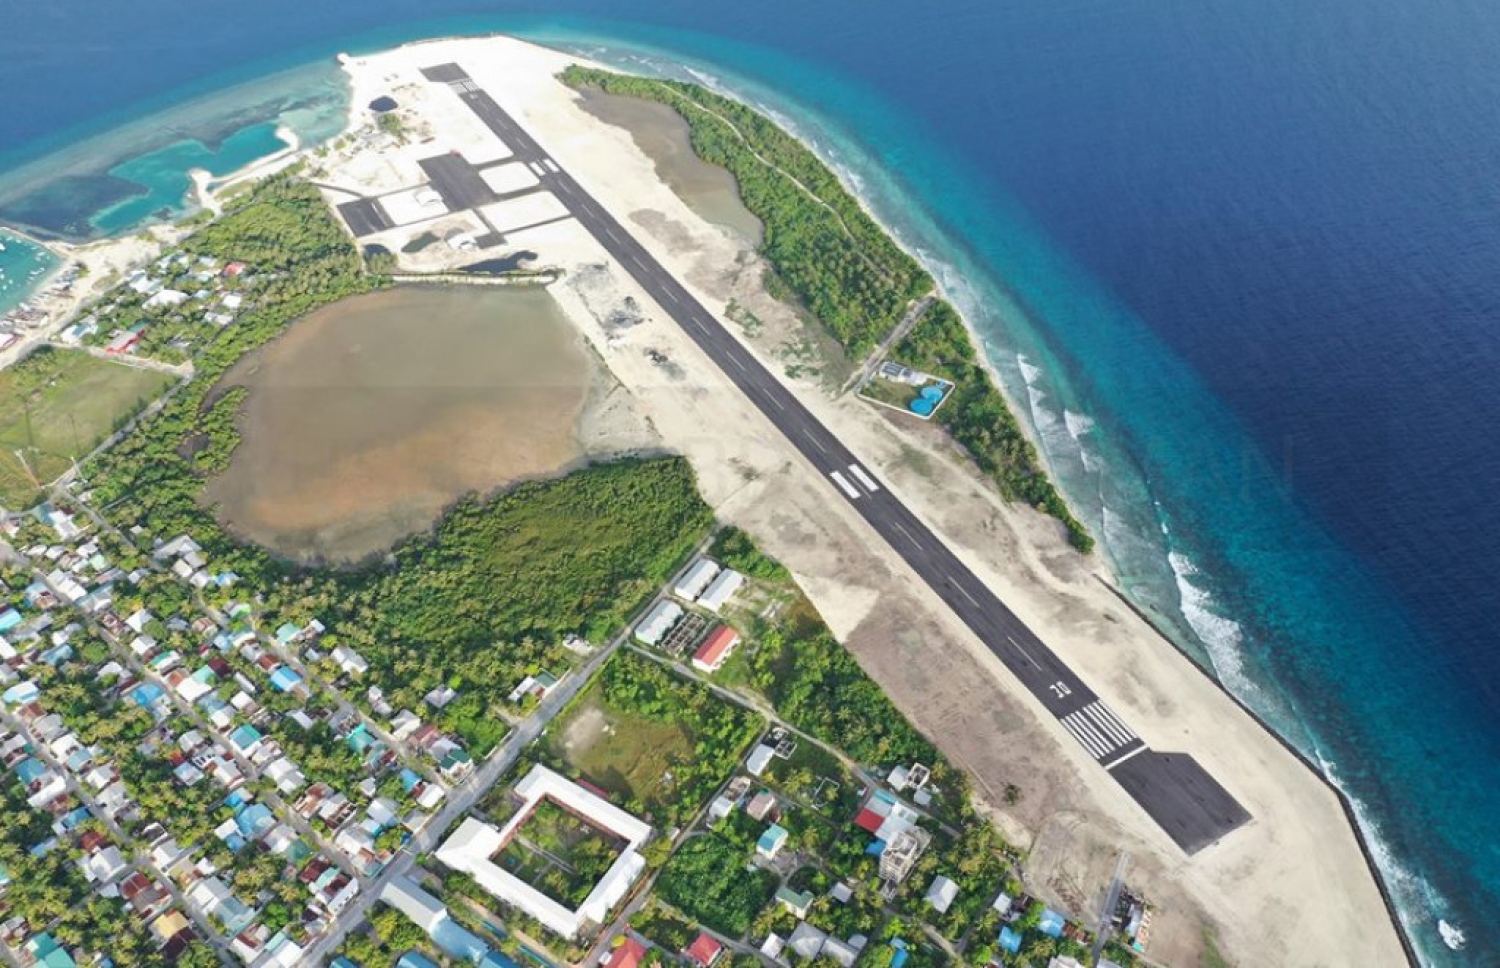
(1255, 359)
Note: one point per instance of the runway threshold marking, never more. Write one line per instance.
(1135, 752)
(1105, 719)
(1087, 736)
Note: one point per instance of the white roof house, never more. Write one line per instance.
(166, 297)
(473, 845)
(807, 940)
(658, 622)
(759, 759)
(721, 590)
(695, 579)
(426, 911)
(941, 892)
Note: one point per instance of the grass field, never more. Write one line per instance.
(57, 405)
(624, 754)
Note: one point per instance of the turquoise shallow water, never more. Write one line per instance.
(163, 174)
(22, 265)
(1135, 263)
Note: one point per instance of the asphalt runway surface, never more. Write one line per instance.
(1189, 805)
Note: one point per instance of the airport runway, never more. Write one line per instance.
(1174, 790)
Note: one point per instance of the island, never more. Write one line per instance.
(555, 522)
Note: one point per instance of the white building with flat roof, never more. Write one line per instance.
(695, 579)
(658, 622)
(473, 846)
(721, 590)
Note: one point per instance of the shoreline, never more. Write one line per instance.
(1112, 581)
(1351, 816)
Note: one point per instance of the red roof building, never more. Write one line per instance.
(704, 950)
(715, 649)
(630, 954)
(869, 820)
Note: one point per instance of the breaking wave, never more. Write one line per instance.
(1222, 637)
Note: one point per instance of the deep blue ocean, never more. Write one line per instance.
(1240, 259)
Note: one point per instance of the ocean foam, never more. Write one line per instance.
(1420, 906)
(1029, 372)
(1078, 424)
(1222, 637)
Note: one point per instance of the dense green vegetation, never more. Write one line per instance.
(978, 418)
(491, 593)
(55, 406)
(734, 548)
(818, 687)
(559, 854)
(48, 890)
(826, 252)
(707, 879)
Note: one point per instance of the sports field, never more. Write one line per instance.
(56, 405)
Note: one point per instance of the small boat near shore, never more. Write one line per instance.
(1453, 935)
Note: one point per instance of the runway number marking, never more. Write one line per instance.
(844, 485)
(1060, 689)
(864, 478)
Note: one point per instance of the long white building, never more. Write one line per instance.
(473, 846)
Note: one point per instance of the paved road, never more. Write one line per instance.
(1172, 788)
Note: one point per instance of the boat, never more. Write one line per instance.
(1453, 935)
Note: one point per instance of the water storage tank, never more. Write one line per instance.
(922, 406)
(932, 393)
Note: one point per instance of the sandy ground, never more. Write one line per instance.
(1290, 889)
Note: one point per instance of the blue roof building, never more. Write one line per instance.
(414, 959)
(1010, 940)
(29, 770)
(21, 693)
(771, 841)
(286, 633)
(245, 737)
(254, 820)
(9, 619)
(1051, 923)
(285, 678)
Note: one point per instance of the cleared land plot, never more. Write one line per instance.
(509, 178)
(655, 743)
(57, 405)
(524, 210)
(622, 753)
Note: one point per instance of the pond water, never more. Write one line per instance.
(663, 136)
(370, 415)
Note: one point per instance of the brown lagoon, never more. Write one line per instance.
(371, 415)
